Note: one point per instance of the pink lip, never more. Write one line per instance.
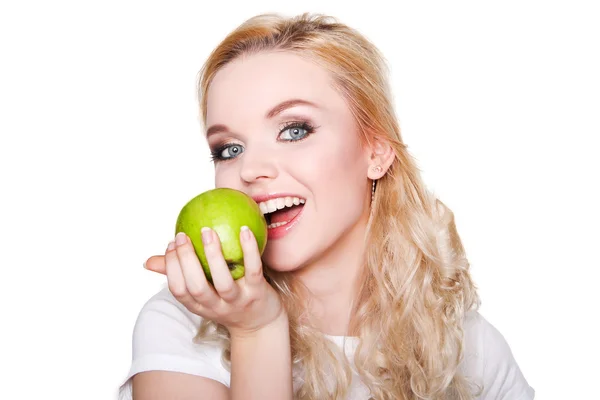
(281, 231)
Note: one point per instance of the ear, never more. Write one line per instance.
(381, 157)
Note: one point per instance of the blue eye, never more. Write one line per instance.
(227, 152)
(295, 131)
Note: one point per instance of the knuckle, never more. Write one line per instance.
(187, 256)
(227, 289)
(211, 251)
(198, 293)
(255, 272)
(178, 291)
(183, 251)
(256, 277)
(195, 291)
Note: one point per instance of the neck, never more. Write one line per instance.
(333, 281)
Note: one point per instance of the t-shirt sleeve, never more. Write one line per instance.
(163, 341)
(493, 362)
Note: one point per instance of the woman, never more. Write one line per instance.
(367, 291)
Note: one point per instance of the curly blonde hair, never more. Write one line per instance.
(416, 286)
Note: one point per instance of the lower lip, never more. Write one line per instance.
(281, 231)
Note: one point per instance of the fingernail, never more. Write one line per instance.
(206, 235)
(245, 233)
(145, 265)
(171, 245)
(180, 238)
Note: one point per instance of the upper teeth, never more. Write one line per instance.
(272, 205)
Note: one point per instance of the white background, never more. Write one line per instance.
(101, 146)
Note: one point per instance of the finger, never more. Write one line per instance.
(252, 261)
(222, 279)
(175, 278)
(195, 279)
(156, 264)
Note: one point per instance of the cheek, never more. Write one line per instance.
(340, 164)
(226, 176)
(336, 174)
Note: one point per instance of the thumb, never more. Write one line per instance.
(156, 264)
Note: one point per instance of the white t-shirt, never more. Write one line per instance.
(163, 333)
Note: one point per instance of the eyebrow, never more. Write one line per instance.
(281, 107)
(273, 112)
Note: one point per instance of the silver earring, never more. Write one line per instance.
(373, 191)
(377, 170)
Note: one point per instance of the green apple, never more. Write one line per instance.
(225, 211)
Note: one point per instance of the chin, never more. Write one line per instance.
(280, 261)
(290, 257)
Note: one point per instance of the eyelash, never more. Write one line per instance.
(215, 155)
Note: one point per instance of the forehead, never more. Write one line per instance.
(252, 84)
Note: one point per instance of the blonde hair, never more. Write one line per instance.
(416, 286)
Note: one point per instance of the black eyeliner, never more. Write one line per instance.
(215, 155)
(301, 124)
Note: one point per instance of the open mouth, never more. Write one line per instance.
(281, 211)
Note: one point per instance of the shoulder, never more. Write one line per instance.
(163, 317)
(488, 362)
(163, 340)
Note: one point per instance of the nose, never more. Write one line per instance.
(257, 165)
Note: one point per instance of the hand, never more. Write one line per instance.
(243, 306)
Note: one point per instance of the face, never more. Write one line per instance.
(280, 132)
